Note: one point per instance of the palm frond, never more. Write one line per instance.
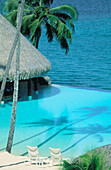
(58, 21)
(50, 32)
(26, 6)
(65, 18)
(61, 15)
(27, 9)
(64, 44)
(33, 27)
(36, 37)
(10, 5)
(11, 17)
(26, 22)
(33, 3)
(68, 9)
(62, 28)
(27, 19)
(46, 3)
(68, 166)
(53, 20)
(38, 34)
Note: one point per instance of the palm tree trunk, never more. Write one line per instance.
(16, 82)
(38, 35)
(11, 55)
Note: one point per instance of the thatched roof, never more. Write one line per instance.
(32, 62)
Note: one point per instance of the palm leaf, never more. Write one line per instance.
(50, 32)
(33, 27)
(61, 15)
(11, 17)
(53, 20)
(46, 2)
(56, 23)
(26, 22)
(68, 9)
(10, 5)
(64, 44)
(27, 9)
(62, 28)
(33, 3)
(27, 19)
(65, 18)
(68, 166)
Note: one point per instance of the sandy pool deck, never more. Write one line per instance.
(12, 162)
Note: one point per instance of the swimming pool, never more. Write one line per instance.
(75, 120)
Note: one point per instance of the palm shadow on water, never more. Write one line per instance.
(94, 111)
(33, 124)
(24, 140)
(57, 121)
(92, 129)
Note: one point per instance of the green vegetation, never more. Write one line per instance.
(90, 161)
(58, 21)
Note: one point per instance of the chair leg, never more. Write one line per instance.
(36, 161)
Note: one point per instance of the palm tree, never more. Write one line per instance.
(58, 21)
(16, 81)
(10, 57)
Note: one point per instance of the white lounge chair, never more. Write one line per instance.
(57, 156)
(34, 156)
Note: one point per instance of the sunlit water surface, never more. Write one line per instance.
(75, 120)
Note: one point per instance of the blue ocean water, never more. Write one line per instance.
(88, 63)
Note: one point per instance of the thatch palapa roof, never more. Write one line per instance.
(32, 62)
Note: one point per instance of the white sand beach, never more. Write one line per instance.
(12, 162)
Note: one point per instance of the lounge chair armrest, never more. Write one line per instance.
(42, 158)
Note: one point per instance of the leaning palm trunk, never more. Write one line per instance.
(11, 55)
(16, 83)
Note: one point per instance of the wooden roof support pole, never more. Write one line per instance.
(36, 85)
(2, 101)
(29, 90)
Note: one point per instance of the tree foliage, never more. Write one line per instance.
(58, 21)
(94, 160)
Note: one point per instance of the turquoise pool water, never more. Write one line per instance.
(75, 120)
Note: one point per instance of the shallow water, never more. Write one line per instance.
(75, 120)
